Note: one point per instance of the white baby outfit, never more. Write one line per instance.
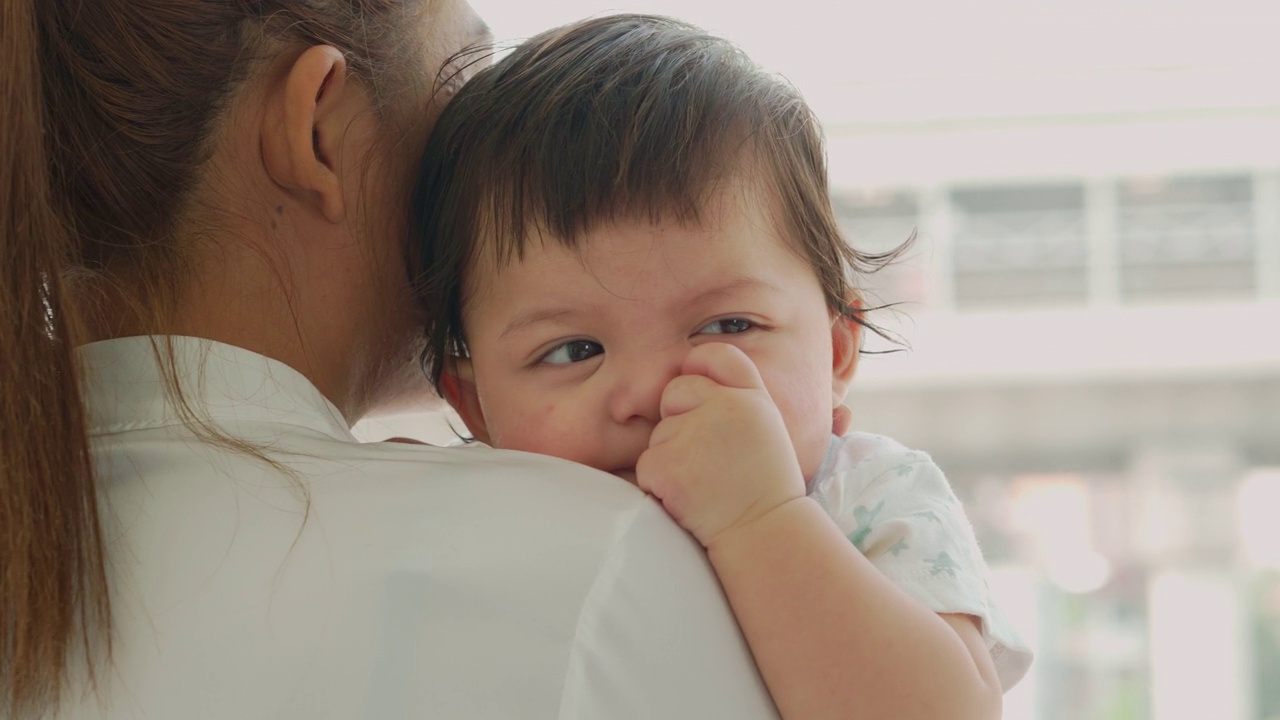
(897, 507)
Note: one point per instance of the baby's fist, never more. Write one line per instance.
(721, 457)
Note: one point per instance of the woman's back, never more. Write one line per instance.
(240, 171)
(410, 581)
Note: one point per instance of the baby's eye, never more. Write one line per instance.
(572, 352)
(727, 326)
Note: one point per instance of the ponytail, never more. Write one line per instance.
(53, 589)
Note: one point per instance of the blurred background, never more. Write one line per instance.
(1091, 310)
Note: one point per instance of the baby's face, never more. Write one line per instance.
(571, 350)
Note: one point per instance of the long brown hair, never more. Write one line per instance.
(614, 118)
(110, 108)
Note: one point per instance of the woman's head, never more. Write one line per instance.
(137, 93)
(612, 119)
(160, 157)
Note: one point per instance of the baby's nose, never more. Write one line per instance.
(638, 386)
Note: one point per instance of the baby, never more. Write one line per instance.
(633, 264)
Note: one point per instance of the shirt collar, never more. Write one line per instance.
(240, 392)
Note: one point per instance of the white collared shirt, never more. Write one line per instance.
(380, 580)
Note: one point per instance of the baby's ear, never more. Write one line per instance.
(846, 339)
(458, 384)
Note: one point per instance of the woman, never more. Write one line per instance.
(203, 286)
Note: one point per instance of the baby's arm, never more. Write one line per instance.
(833, 637)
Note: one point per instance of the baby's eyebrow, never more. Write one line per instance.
(730, 286)
(523, 320)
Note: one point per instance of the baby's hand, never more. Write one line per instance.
(721, 457)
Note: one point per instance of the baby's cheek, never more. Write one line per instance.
(545, 430)
(806, 409)
(811, 434)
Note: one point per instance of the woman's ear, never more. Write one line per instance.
(307, 113)
(459, 387)
(846, 339)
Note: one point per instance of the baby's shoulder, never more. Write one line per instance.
(867, 452)
(861, 464)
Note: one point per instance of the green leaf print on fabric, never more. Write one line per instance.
(899, 547)
(865, 517)
(942, 564)
(928, 515)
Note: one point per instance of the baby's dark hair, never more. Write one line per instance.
(614, 118)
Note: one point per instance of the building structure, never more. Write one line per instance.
(1091, 307)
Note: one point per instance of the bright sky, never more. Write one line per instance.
(872, 60)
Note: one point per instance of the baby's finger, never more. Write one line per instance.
(723, 363)
(653, 472)
(645, 474)
(841, 420)
(673, 429)
(684, 393)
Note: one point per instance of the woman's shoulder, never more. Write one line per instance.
(447, 575)
(378, 509)
(508, 487)
(566, 569)
(550, 525)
